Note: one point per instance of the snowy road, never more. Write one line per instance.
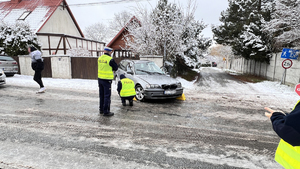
(220, 125)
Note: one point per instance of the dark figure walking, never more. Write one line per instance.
(106, 68)
(126, 90)
(37, 64)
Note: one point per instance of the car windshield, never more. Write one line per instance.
(147, 68)
(6, 58)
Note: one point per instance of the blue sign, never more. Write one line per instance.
(289, 53)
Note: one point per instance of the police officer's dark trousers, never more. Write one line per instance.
(104, 95)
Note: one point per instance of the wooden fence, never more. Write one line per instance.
(65, 66)
(84, 68)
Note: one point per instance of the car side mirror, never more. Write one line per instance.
(130, 71)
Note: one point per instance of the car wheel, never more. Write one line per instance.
(140, 95)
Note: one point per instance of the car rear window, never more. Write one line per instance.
(6, 58)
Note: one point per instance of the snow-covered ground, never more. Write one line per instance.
(70, 84)
(272, 93)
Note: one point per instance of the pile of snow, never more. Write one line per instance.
(70, 84)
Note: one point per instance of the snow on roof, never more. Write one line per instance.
(40, 12)
(35, 19)
(122, 30)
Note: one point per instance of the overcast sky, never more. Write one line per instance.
(207, 10)
(86, 15)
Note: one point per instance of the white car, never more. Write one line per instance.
(8, 65)
(150, 82)
(2, 77)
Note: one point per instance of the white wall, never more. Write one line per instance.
(60, 65)
(25, 65)
(61, 22)
(272, 71)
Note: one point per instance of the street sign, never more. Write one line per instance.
(287, 63)
(289, 53)
(297, 89)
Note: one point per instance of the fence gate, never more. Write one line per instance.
(84, 67)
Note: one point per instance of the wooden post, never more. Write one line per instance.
(64, 44)
(49, 45)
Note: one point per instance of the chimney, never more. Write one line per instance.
(15, 1)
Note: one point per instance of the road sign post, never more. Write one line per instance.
(286, 64)
(297, 89)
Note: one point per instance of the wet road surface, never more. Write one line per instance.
(214, 128)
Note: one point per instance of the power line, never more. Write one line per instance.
(106, 2)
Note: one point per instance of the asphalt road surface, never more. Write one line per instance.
(212, 129)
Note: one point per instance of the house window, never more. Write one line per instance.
(24, 15)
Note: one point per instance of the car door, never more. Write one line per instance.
(121, 69)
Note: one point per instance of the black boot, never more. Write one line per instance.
(108, 114)
(131, 103)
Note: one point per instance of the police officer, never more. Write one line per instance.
(287, 127)
(106, 68)
(126, 90)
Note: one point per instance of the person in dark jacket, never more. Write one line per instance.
(37, 64)
(106, 68)
(286, 126)
(126, 90)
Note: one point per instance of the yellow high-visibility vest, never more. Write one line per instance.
(287, 155)
(127, 88)
(104, 69)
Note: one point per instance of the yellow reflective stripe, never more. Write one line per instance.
(296, 104)
(129, 92)
(127, 88)
(104, 76)
(287, 155)
(282, 162)
(104, 69)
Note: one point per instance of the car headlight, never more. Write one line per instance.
(152, 86)
(179, 85)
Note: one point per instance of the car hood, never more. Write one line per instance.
(158, 79)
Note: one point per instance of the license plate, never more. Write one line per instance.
(169, 92)
(7, 69)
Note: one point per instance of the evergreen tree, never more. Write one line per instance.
(242, 28)
(167, 19)
(14, 39)
(194, 44)
(168, 31)
(285, 25)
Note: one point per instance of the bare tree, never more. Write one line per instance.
(119, 21)
(98, 32)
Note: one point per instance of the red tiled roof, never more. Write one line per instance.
(42, 10)
(122, 30)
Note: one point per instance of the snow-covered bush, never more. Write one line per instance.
(15, 38)
(79, 52)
